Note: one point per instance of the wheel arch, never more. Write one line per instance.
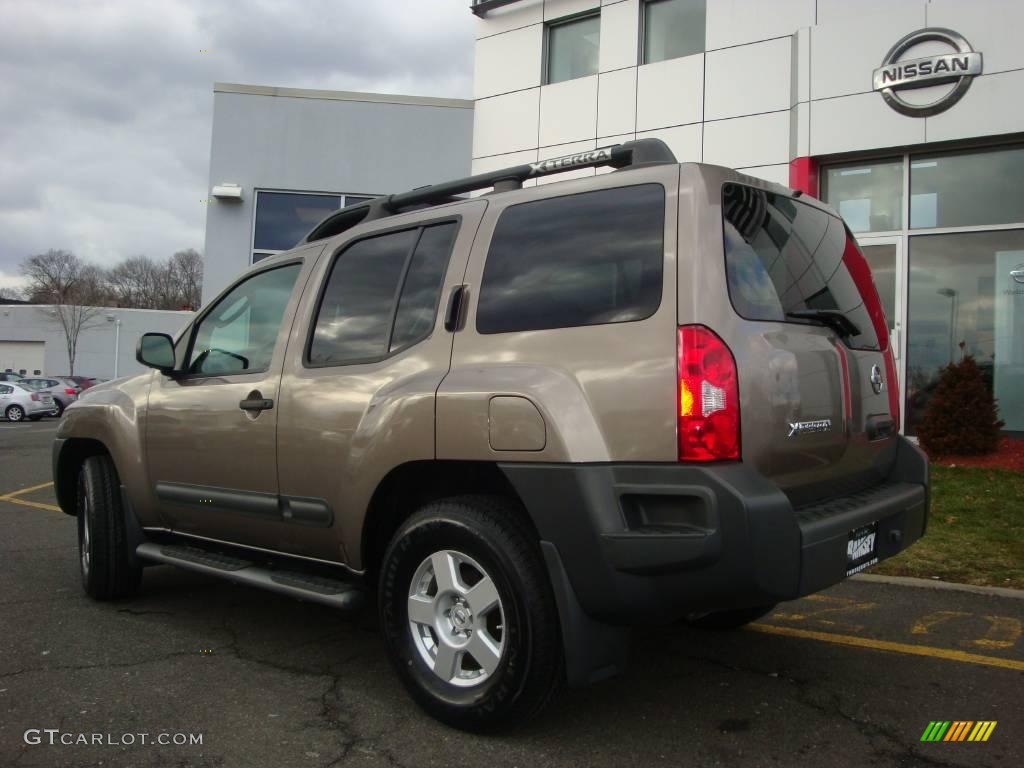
(70, 454)
(411, 485)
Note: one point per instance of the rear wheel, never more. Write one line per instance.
(14, 413)
(58, 409)
(468, 615)
(107, 565)
(734, 619)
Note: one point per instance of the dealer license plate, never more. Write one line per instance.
(860, 548)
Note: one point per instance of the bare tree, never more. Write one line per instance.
(11, 294)
(186, 269)
(143, 283)
(73, 288)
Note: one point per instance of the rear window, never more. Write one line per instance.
(583, 259)
(783, 256)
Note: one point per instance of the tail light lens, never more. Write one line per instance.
(708, 427)
(70, 391)
(34, 396)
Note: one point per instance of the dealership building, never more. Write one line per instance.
(282, 159)
(906, 116)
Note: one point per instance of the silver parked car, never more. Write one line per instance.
(18, 402)
(64, 392)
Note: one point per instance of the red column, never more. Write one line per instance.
(803, 175)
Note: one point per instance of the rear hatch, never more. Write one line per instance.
(817, 384)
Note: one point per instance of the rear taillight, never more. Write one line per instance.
(708, 426)
(70, 391)
(34, 396)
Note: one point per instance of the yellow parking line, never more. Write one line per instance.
(12, 497)
(946, 654)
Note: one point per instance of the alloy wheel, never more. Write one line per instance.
(456, 618)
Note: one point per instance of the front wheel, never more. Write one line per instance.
(14, 413)
(468, 615)
(105, 559)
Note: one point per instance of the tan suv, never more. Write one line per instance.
(524, 422)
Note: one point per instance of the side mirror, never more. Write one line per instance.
(156, 350)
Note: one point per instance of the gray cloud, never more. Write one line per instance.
(104, 148)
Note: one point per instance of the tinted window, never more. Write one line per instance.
(784, 256)
(5, 390)
(238, 335)
(579, 260)
(417, 307)
(354, 320)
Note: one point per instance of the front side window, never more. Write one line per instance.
(238, 335)
(583, 259)
(572, 48)
(381, 295)
(672, 28)
(783, 257)
(5, 390)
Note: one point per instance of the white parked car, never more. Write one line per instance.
(18, 403)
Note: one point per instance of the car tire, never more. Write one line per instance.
(496, 603)
(14, 413)
(59, 410)
(734, 619)
(105, 560)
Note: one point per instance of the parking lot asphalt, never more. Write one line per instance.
(849, 677)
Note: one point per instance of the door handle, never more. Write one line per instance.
(256, 403)
(455, 314)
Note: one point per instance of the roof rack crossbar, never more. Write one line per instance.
(631, 154)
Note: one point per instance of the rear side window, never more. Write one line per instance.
(784, 256)
(583, 259)
(5, 390)
(381, 295)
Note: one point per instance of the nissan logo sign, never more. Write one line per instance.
(897, 74)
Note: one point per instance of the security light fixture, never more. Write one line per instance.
(227, 191)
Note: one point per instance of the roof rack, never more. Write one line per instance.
(631, 154)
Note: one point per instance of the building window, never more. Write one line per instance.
(949, 264)
(282, 219)
(962, 292)
(967, 189)
(672, 28)
(869, 196)
(572, 48)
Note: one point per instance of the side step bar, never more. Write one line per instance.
(318, 589)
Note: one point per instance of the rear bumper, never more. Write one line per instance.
(651, 543)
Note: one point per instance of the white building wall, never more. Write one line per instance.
(778, 79)
(96, 344)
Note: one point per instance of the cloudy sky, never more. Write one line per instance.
(105, 134)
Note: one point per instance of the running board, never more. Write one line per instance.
(318, 589)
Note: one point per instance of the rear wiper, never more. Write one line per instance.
(834, 319)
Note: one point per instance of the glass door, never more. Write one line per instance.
(887, 259)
